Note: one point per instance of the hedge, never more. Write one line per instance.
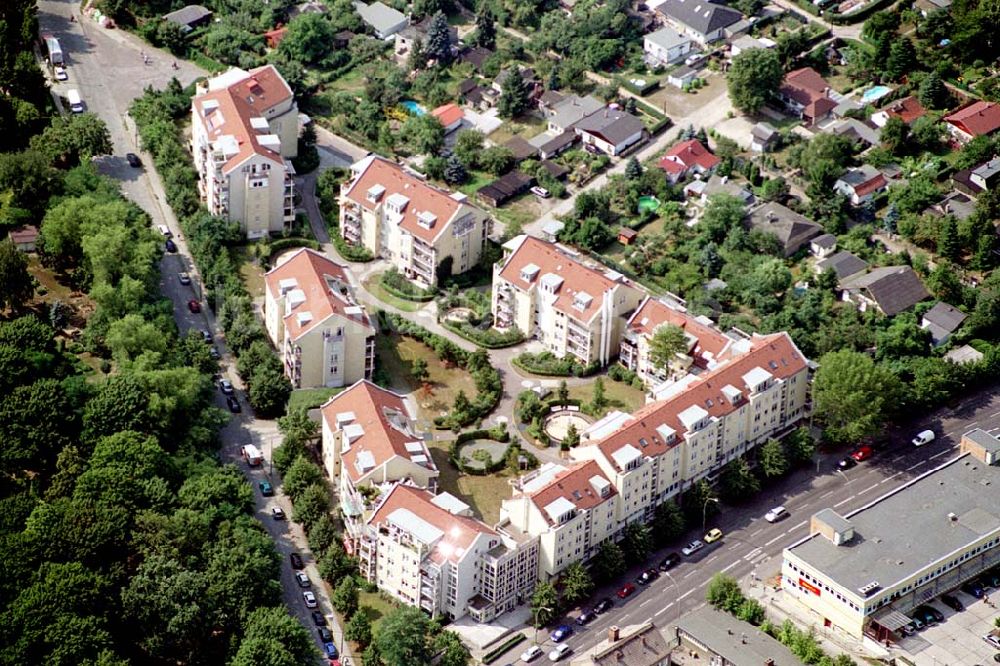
(489, 338)
(548, 365)
(398, 286)
(495, 654)
(283, 244)
(355, 253)
(498, 434)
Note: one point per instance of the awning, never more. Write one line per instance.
(891, 619)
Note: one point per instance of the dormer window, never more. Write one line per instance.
(426, 219)
(375, 193)
(396, 203)
(582, 301)
(529, 273)
(551, 283)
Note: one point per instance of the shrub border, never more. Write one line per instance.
(496, 653)
(461, 332)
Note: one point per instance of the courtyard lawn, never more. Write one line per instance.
(311, 398)
(376, 606)
(373, 286)
(619, 395)
(482, 493)
(250, 271)
(527, 127)
(396, 355)
(476, 180)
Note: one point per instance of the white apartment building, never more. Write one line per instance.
(425, 232)
(370, 443)
(706, 343)
(429, 551)
(311, 316)
(572, 308)
(244, 130)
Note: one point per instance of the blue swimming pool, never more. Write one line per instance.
(874, 93)
(414, 108)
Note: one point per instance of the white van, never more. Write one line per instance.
(165, 230)
(75, 101)
(252, 455)
(926, 437)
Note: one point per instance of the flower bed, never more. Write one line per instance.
(548, 364)
(489, 338)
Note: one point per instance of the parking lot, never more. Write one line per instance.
(959, 639)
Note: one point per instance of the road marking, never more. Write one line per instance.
(714, 557)
(775, 539)
(797, 526)
(690, 573)
(682, 597)
(730, 566)
(912, 467)
(891, 477)
(938, 455)
(994, 415)
(756, 532)
(826, 494)
(845, 501)
(663, 610)
(645, 602)
(752, 554)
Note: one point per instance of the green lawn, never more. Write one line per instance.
(373, 286)
(250, 271)
(619, 396)
(376, 606)
(482, 493)
(396, 355)
(311, 398)
(476, 180)
(527, 126)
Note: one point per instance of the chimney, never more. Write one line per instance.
(613, 633)
(769, 662)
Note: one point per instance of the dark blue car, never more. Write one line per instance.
(561, 633)
(330, 649)
(974, 588)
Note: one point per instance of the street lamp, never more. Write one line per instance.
(534, 613)
(704, 511)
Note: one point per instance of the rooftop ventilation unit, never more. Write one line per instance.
(869, 588)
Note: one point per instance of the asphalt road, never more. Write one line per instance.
(752, 545)
(106, 66)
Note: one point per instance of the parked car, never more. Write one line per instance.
(626, 591)
(846, 463)
(924, 437)
(952, 602)
(541, 192)
(133, 160)
(330, 650)
(585, 617)
(862, 453)
(296, 561)
(917, 623)
(560, 652)
(692, 548)
(908, 629)
(324, 634)
(532, 653)
(266, 489)
(647, 576)
(670, 561)
(165, 230)
(233, 404)
(318, 618)
(213, 351)
(561, 633)
(776, 514)
(604, 605)
(61, 74)
(277, 513)
(226, 386)
(309, 598)
(194, 306)
(713, 535)
(206, 337)
(974, 588)
(302, 578)
(992, 640)
(184, 278)
(170, 245)
(928, 615)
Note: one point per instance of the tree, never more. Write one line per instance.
(753, 79)
(274, 637)
(345, 597)
(269, 392)
(723, 213)
(772, 459)
(514, 96)
(799, 446)
(359, 628)
(668, 522)
(419, 370)
(486, 31)
(633, 170)
(571, 439)
(773, 189)
(598, 402)
(737, 482)
(609, 563)
(902, 58)
(452, 650)
(72, 140)
(933, 94)
(895, 134)
(439, 39)
(308, 39)
(16, 284)
(902, 338)
(312, 504)
(852, 395)
(401, 639)
(468, 146)
(132, 336)
(667, 342)
(454, 171)
(544, 604)
(497, 160)
(563, 391)
(335, 565)
(170, 35)
(423, 135)
(576, 583)
(302, 474)
(724, 593)
(637, 542)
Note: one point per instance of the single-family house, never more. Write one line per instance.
(844, 264)
(889, 290)
(550, 145)
(747, 43)
(792, 229)
(861, 134)
(527, 75)
(475, 56)
(404, 39)
(665, 47)
(964, 355)
(957, 204)
(612, 131)
(548, 100)
(982, 178)
(571, 110)
(702, 21)
(684, 75)
(384, 21)
(699, 191)
(823, 246)
(907, 109)
(687, 157)
(24, 238)
(450, 116)
(189, 18)
(927, 7)
(977, 119)
(941, 321)
(520, 148)
(763, 137)
(861, 184)
(505, 188)
(806, 94)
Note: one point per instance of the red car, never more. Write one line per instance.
(626, 591)
(863, 453)
(194, 306)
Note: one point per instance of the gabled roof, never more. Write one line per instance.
(573, 109)
(737, 642)
(578, 487)
(700, 15)
(667, 38)
(380, 16)
(322, 288)
(689, 153)
(475, 56)
(843, 263)
(944, 317)
(24, 234)
(894, 288)
(652, 313)
(864, 180)
(907, 109)
(659, 426)
(188, 16)
(792, 229)
(977, 119)
(763, 131)
(520, 148)
(448, 114)
(377, 427)
(808, 88)
(613, 125)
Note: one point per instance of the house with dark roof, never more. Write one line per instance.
(806, 94)
(612, 131)
(792, 229)
(190, 17)
(505, 188)
(957, 204)
(941, 321)
(763, 137)
(715, 637)
(843, 264)
(549, 145)
(520, 148)
(861, 134)
(704, 22)
(889, 290)
(475, 56)
(823, 246)
(554, 169)
(977, 119)
(861, 184)
(548, 100)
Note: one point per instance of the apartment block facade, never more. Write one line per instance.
(244, 130)
(311, 316)
(571, 307)
(426, 233)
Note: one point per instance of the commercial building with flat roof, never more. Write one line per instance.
(863, 571)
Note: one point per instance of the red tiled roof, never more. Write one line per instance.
(573, 485)
(907, 109)
(373, 407)
(275, 36)
(459, 532)
(448, 114)
(809, 89)
(550, 260)
(422, 197)
(653, 312)
(977, 119)
(689, 153)
(774, 353)
(312, 273)
(25, 234)
(875, 183)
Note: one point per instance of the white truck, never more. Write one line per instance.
(252, 455)
(55, 51)
(75, 101)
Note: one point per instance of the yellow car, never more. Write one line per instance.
(713, 535)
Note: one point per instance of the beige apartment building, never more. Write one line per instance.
(429, 551)
(425, 232)
(370, 443)
(706, 343)
(244, 130)
(324, 337)
(571, 307)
